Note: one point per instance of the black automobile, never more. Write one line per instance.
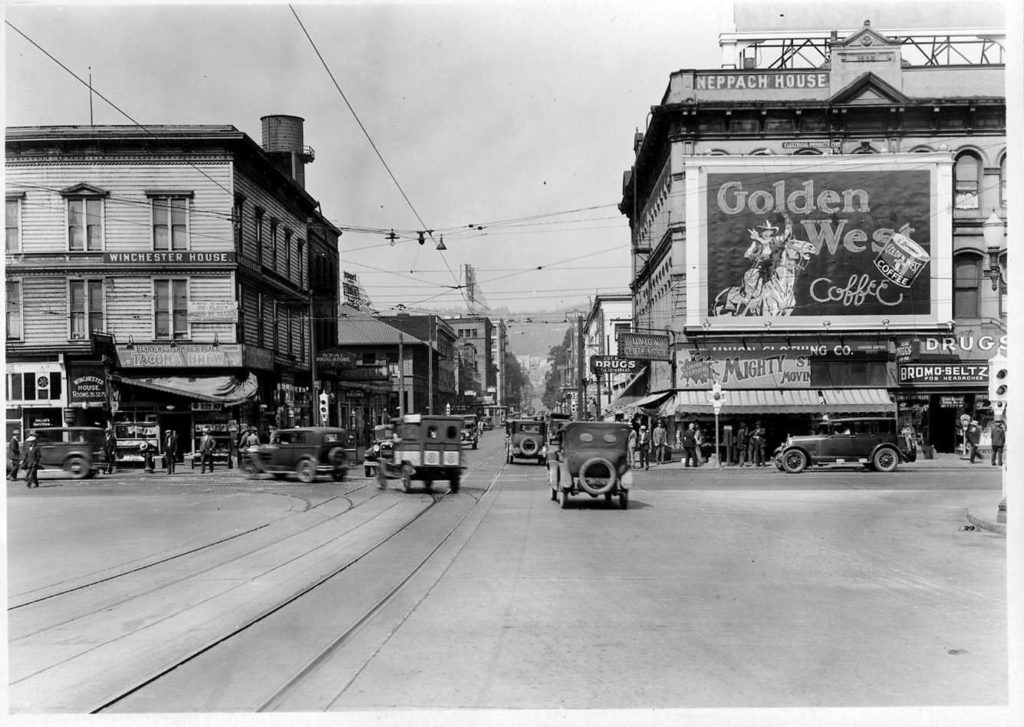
(525, 439)
(470, 432)
(76, 450)
(306, 452)
(593, 459)
(871, 442)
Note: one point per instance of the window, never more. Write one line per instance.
(288, 254)
(236, 221)
(302, 265)
(170, 309)
(12, 223)
(170, 222)
(85, 224)
(1003, 182)
(14, 328)
(259, 235)
(34, 386)
(966, 176)
(85, 299)
(273, 244)
(966, 286)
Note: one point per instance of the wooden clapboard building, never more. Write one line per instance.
(164, 277)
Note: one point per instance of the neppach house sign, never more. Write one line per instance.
(760, 81)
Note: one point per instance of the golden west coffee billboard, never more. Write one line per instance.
(818, 242)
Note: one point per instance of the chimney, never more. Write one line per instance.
(282, 141)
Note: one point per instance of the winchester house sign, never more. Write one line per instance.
(156, 257)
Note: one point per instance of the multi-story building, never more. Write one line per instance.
(164, 277)
(609, 316)
(820, 227)
(474, 351)
(433, 377)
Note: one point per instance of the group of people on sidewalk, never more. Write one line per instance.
(27, 460)
(749, 444)
(998, 433)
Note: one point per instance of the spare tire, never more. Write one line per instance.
(597, 468)
(529, 446)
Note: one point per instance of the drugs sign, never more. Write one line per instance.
(613, 365)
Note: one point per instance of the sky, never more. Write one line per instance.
(483, 111)
(517, 117)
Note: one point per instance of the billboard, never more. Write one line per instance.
(818, 242)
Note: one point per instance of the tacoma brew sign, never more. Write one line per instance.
(613, 365)
(182, 355)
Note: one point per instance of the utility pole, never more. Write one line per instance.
(582, 402)
(430, 365)
(314, 398)
(401, 376)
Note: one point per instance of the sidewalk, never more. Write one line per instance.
(982, 511)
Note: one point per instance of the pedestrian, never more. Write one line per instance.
(206, 445)
(170, 450)
(757, 442)
(30, 462)
(243, 439)
(741, 444)
(659, 437)
(973, 437)
(998, 442)
(679, 438)
(110, 451)
(13, 457)
(643, 446)
(634, 453)
(698, 438)
(275, 436)
(690, 447)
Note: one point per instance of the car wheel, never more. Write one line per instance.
(406, 480)
(608, 497)
(367, 471)
(338, 474)
(76, 467)
(794, 461)
(454, 482)
(563, 498)
(885, 459)
(305, 470)
(427, 484)
(554, 494)
(624, 499)
(382, 479)
(597, 468)
(529, 446)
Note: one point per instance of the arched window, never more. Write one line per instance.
(966, 179)
(966, 286)
(1002, 181)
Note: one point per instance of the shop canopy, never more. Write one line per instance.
(226, 390)
(788, 401)
(653, 401)
(630, 394)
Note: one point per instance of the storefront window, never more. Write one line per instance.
(966, 286)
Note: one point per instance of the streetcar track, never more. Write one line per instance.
(186, 553)
(266, 612)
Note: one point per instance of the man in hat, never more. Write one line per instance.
(973, 437)
(998, 442)
(31, 462)
(170, 450)
(13, 457)
(206, 445)
(110, 451)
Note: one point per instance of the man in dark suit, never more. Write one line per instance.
(170, 449)
(31, 462)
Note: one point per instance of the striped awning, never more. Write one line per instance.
(653, 401)
(788, 401)
(631, 393)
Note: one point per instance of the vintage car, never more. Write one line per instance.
(76, 450)
(470, 431)
(305, 452)
(872, 442)
(594, 459)
(427, 448)
(555, 424)
(381, 448)
(525, 439)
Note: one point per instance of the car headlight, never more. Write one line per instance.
(376, 448)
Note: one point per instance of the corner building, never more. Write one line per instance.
(821, 229)
(168, 277)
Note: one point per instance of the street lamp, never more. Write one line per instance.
(995, 240)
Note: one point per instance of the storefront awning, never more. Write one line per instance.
(653, 401)
(226, 390)
(630, 394)
(788, 401)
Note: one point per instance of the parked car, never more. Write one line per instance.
(306, 452)
(593, 459)
(872, 442)
(381, 448)
(488, 425)
(428, 448)
(470, 431)
(76, 450)
(525, 439)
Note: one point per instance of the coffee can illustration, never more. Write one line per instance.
(902, 259)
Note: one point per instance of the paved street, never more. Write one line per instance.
(716, 588)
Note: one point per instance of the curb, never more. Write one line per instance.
(986, 524)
